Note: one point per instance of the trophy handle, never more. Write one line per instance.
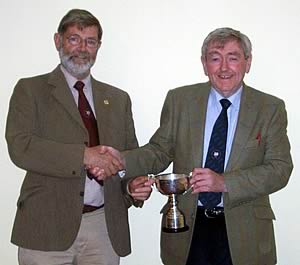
(191, 187)
(152, 176)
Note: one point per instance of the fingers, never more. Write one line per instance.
(140, 188)
(139, 181)
(205, 179)
(141, 196)
(98, 173)
(118, 159)
(114, 160)
(106, 158)
(199, 174)
(116, 163)
(142, 193)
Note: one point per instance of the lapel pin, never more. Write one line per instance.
(258, 138)
(106, 102)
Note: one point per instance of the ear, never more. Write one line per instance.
(99, 45)
(57, 41)
(203, 60)
(248, 65)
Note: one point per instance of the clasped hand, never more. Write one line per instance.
(105, 161)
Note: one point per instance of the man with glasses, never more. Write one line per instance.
(56, 122)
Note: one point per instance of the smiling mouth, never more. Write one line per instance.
(225, 76)
(79, 58)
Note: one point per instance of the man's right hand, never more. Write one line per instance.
(105, 159)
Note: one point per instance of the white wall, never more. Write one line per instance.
(148, 48)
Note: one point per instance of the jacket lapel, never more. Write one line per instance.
(61, 92)
(197, 114)
(103, 105)
(246, 119)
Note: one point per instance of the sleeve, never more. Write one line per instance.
(131, 143)
(131, 140)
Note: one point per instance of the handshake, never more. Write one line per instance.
(105, 161)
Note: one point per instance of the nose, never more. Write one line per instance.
(82, 45)
(224, 65)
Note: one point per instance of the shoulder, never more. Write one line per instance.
(108, 89)
(261, 97)
(53, 78)
(191, 89)
(188, 93)
(34, 79)
(32, 85)
(187, 89)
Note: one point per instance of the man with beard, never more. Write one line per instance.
(55, 124)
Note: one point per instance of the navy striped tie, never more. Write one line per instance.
(215, 158)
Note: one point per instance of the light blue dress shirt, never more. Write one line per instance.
(214, 109)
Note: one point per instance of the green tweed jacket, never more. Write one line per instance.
(259, 164)
(46, 137)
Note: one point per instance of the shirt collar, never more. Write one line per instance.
(234, 99)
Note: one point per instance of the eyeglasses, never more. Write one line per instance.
(76, 40)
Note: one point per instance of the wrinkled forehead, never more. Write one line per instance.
(82, 27)
(221, 42)
(78, 26)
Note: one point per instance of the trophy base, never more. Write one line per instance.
(175, 230)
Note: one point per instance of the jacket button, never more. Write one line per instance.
(73, 172)
(81, 193)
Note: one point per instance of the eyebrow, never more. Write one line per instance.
(213, 53)
(235, 53)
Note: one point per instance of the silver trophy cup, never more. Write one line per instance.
(172, 185)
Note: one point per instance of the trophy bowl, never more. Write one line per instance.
(172, 185)
(168, 184)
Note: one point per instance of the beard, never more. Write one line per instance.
(78, 70)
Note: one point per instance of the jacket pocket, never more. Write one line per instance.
(264, 230)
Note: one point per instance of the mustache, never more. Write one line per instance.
(80, 55)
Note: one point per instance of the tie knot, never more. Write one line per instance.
(79, 85)
(225, 103)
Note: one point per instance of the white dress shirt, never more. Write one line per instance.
(93, 192)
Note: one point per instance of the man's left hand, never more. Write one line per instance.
(206, 180)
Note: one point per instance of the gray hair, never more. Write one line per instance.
(80, 18)
(223, 35)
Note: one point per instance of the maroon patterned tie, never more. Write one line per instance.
(88, 119)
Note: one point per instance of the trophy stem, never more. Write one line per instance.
(174, 221)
